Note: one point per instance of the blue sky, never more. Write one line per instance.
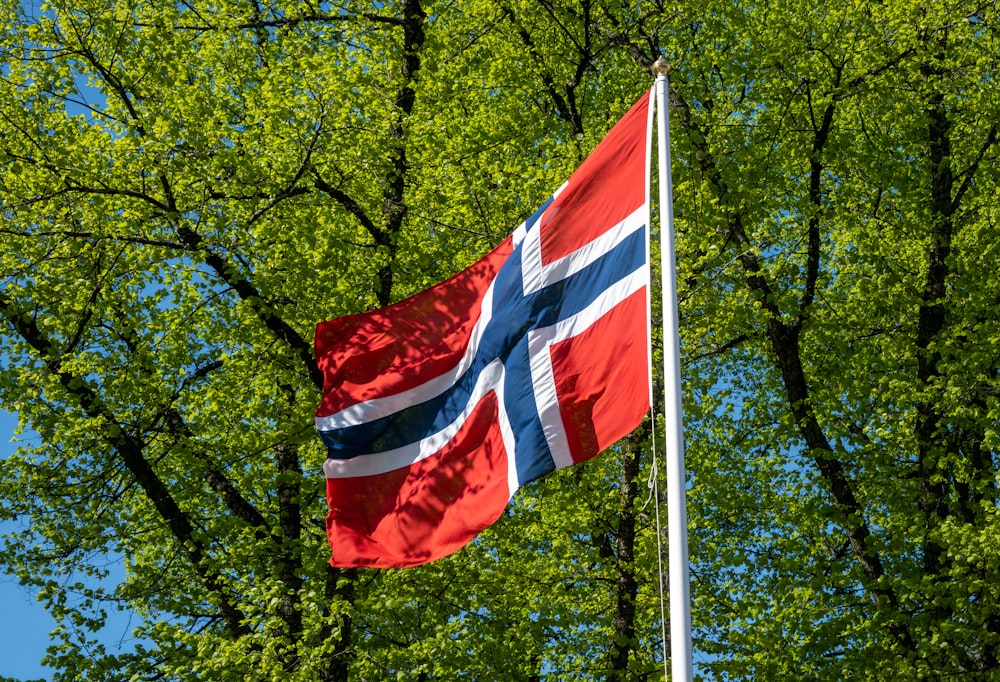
(24, 633)
(25, 626)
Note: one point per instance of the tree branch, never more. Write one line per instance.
(228, 273)
(784, 341)
(130, 449)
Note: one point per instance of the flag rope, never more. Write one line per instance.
(652, 482)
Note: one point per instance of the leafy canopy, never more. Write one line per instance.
(186, 189)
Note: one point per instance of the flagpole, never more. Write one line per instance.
(680, 597)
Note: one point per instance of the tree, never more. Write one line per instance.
(188, 189)
(836, 167)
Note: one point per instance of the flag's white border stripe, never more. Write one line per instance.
(537, 276)
(521, 230)
(542, 375)
(507, 433)
(490, 379)
(546, 400)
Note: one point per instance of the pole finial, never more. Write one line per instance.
(660, 66)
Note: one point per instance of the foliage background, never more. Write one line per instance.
(188, 188)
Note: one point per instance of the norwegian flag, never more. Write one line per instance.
(437, 408)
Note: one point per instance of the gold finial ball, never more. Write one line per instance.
(660, 66)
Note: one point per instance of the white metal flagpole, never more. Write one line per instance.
(677, 549)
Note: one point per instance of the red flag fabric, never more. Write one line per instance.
(437, 408)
